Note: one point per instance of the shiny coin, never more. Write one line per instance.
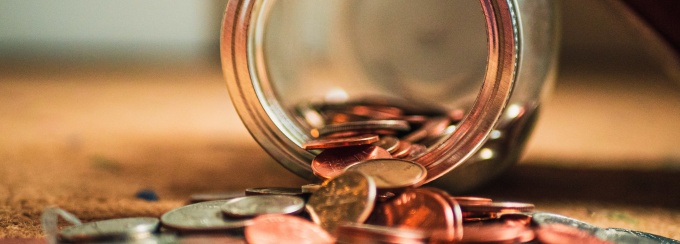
(389, 143)
(360, 132)
(403, 151)
(421, 209)
(198, 217)
(326, 143)
(391, 173)
(551, 218)
(469, 200)
(558, 233)
(398, 125)
(363, 233)
(332, 162)
(498, 207)
(348, 198)
(433, 127)
(204, 197)
(288, 191)
(250, 206)
(416, 150)
(112, 229)
(375, 112)
(283, 229)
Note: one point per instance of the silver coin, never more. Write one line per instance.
(250, 206)
(204, 216)
(288, 191)
(310, 188)
(110, 230)
(617, 235)
(204, 197)
(542, 218)
(398, 125)
(391, 173)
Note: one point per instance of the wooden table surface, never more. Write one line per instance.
(86, 138)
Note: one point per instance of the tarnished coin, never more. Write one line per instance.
(250, 206)
(332, 162)
(284, 229)
(389, 143)
(421, 209)
(340, 142)
(392, 173)
(558, 233)
(363, 233)
(347, 198)
(204, 197)
(551, 218)
(617, 235)
(199, 217)
(110, 230)
(397, 125)
(288, 191)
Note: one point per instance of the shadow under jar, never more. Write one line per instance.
(483, 66)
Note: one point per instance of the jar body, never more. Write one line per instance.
(432, 53)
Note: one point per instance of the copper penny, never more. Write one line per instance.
(376, 112)
(403, 151)
(498, 207)
(496, 233)
(348, 198)
(351, 133)
(326, 143)
(469, 200)
(284, 229)
(363, 233)
(391, 173)
(421, 209)
(389, 143)
(332, 162)
(398, 125)
(433, 127)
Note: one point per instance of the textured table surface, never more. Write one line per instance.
(606, 149)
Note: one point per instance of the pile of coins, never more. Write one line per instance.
(370, 194)
(348, 209)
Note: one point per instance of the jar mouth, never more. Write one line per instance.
(259, 105)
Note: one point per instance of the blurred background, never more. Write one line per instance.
(96, 96)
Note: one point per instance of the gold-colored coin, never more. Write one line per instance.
(347, 198)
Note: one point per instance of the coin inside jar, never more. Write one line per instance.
(389, 143)
(332, 162)
(250, 206)
(347, 198)
(326, 143)
(391, 173)
(397, 125)
(112, 229)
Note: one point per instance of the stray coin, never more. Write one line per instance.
(326, 143)
(558, 233)
(391, 174)
(288, 191)
(284, 229)
(363, 233)
(201, 217)
(204, 197)
(332, 162)
(110, 230)
(421, 209)
(250, 206)
(551, 218)
(389, 143)
(347, 198)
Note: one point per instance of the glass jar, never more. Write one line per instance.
(490, 65)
